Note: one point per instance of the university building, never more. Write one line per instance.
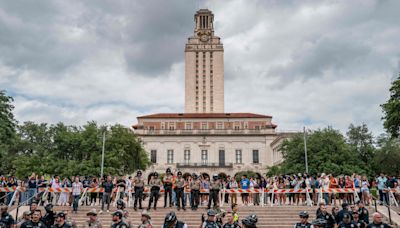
(205, 139)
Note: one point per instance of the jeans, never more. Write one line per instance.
(75, 202)
(383, 196)
(106, 199)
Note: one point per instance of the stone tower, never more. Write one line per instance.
(204, 67)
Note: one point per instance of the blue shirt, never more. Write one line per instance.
(381, 182)
(245, 183)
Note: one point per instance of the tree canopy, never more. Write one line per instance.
(391, 110)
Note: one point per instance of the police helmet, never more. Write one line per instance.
(120, 202)
(303, 214)
(211, 212)
(155, 174)
(250, 221)
(49, 207)
(118, 213)
(179, 173)
(170, 218)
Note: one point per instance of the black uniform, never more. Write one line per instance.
(31, 224)
(360, 223)
(121, 224)
(168, 189)
(330, 220)
(65, 225)
(195, 193)
(234, 225)
(342, 213)
(7, 220)
(179, 190)
(300, 225)
(380, 225)
(179, 224)
(363, 214)
(139, 187)
(348, 225)
(209, 224)
(155, 184)
(48, 218)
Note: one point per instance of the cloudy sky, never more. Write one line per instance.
(313, 63)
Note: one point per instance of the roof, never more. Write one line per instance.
(203, 115)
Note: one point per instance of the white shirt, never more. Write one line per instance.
(76, 188)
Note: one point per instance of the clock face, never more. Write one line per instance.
(204, 38)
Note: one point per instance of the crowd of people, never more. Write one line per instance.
(182, 190)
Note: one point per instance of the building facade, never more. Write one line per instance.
(205, 139)
(204, 67)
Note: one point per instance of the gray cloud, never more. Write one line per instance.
(304, 62)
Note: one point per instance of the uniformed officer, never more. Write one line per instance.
(168, 179)
(171, 221)
(60, 221)
(363, 212)
(215, 186)
(138, 187)
(35, 221)
(50, 215)
(146, 220)
(118, 222)
(323, 214)
(303, 220)
(347, 223)
(155, 186)
(180, 184)
(230, 222)
(210, 221)
(250, 221)
(93, 221)
(195, 192)
(356, 218)
(377, 221)
(5, 217)
(120, 204)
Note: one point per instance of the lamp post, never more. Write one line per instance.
(102, 153)
(305, 148)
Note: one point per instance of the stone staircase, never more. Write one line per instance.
(279, 216)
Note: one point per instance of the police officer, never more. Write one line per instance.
(171, 221)
(195, 192)
(346, 222)
(5, 217)
(363, 212)
(359, 222)
(323, 214)
(138, 187)
(35, 221)
(180, 184)
(93, 222)
(230, 222)
(118, 222)
(61, 221)
(214, 191)
(50, 215)
(210, 221)
(250, 221)
(155, 186)
(168, 179)
(146, 220)
(303, 220)
(377, 221)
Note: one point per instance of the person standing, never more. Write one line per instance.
(215, 186)
(233, 185)
(303, 220)
(382, 180)
(138, 183)
(118, 222)
(108, 189)
(195, 192)
(155, 186)
(93, 221)
(76, 193)
(35, 221)
(377, 221)
(5, 217)
(180, 184)
(168, 179)
(60, 221)
(146, 220)
(245, 185)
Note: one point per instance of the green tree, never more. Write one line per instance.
(327, 152)
(391, 110)
(361, 142)
(7, 132)
(387, 157)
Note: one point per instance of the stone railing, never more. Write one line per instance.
(205, 132)
(204, 165)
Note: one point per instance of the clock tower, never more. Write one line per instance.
(204, 67)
